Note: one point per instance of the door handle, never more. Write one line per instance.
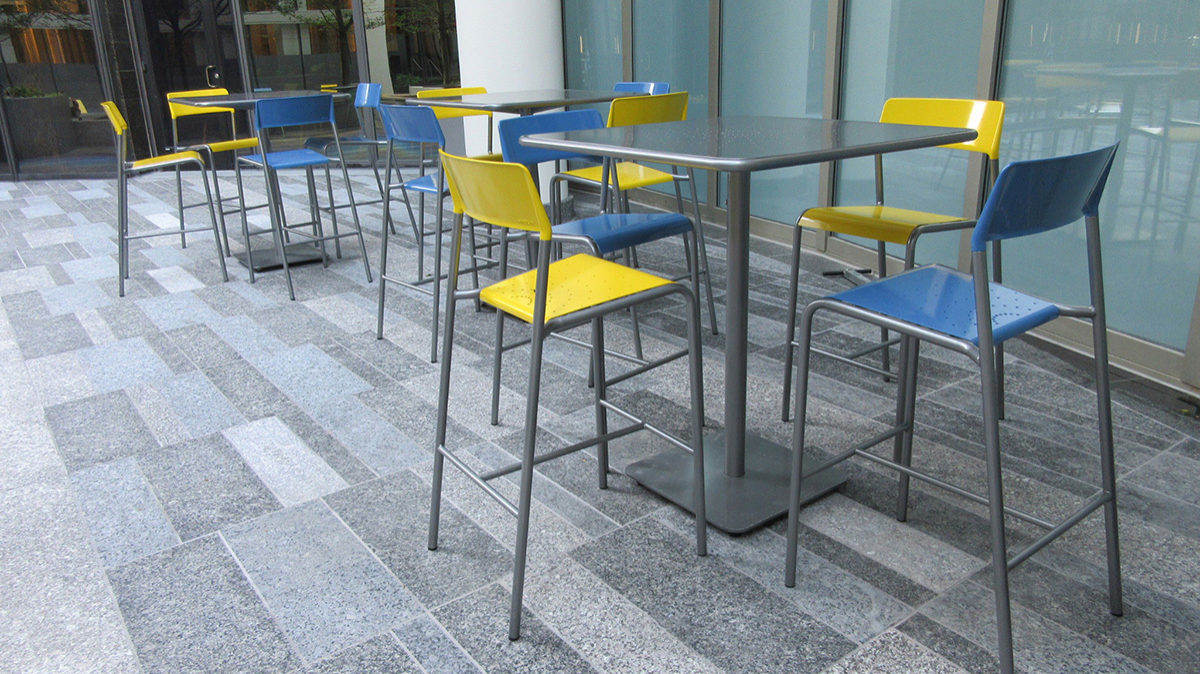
(211, 74)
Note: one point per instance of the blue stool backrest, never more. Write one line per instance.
(274, 113)
(652, 88)
(513, 128)
(1042, 194)
(412, 124)
(368, 95)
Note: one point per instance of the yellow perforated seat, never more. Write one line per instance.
(127, 168)
(553, 297)
(444, 112)
(888, 224)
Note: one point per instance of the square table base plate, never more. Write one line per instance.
(267, 259)
(735, 505)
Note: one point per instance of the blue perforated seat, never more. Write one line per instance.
(288, 159)
(611, 232)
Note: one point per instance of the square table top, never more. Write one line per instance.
(246, 100)
(524, 101)
(747, 143)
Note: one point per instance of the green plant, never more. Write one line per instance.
(21, 91)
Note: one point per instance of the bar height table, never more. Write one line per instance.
(750, 488)
(523, 102)
(267, 258)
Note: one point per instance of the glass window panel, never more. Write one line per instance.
(300, 44)
(592, 43)
(1079, 75)
(907, 48)
(670, 44)
(422, 44)
(773, 63)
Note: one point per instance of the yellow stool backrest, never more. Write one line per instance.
(183, 110)
(498, 193)
(985, 117)
(648, 109)
(448, 113)
(114, 115)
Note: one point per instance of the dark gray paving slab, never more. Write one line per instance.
(428, 642)
(961, 651)
(376, 443)
(204, 485)
(190, 608)
(391, 515)
(480, 623)
(727, 618)
(250, 393)
(326, 591)
(98, 429)
(893, 652)
(122, 511)
(198, 404)
(1171, 474)
(47, 336)
(378, 655)
(202, 346)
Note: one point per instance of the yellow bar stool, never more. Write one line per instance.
(210, 148)
(444, 112)
(127, 168)
(628, 175)
(889, 224)
(557, 296)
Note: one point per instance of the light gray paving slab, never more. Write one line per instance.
(204, 485)
(98, 429)
(378, 655)
(48, 236)
(158, 414)
(23, 280)
(480, 623)
(91, 268)
(175, 279)
(73, 298)
(198, 404)
(97, 329)
(324, 588)
(165, 256)
(850, 605)
(251, 341)
(56, 608)
(123, 363)
(893, 653)
(122, 511)
(1039, 644)
(391, 515)
(605, 626)
(283, 462)
(59, 378)
(921, 557)
(191, 608)
(431, 646)
(176, 310)
(310, 377)
(378, 444)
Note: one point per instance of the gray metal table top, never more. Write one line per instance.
(246, 100)
(752, 489)
(524, 102)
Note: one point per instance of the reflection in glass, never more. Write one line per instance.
(422, 47)
(300, 44)
(1076, 76)
(592, 43)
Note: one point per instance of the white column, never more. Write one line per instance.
(508, 46)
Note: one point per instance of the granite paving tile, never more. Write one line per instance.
(124, 363)
(480, 623)
(126, 319)
(56, 610)
(59, 378)
(190, 608)
(48, 336)
(378, 655)
(199, 404)
(250, 340)
(176, 310)
(123, 514)
(426, 640)
(324, 445)
(26, 305)
(204, 485)
(98, 429)
(202, 346)
(26, 279)
(893, 653)
(1171, 474)
(250, 393)
(376, 443)
(325, 590)
(73, 298)
(962, 652)
(391, 515)
(310, 377)
(727, 618)
(292, 472)
(91, 268)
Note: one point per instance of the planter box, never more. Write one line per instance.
(41, 126)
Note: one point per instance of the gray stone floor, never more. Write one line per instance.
(207, 476)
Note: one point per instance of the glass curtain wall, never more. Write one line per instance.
(422, 47)
(51, 88)
(910, 48)
(1081, 74)
(300, 44)
(592, 43)
(773, 63)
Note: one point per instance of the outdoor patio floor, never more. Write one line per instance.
(208, 476)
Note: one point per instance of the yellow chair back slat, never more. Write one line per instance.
(114, 115)
(498, 193)
(450, 113)
(183, 110)
(985, 117)
(648, 109)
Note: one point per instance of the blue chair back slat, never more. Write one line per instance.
(412, 124)
(512, 129)
(652, 88)
(274, 113)
(1042, 194)
(368, 95)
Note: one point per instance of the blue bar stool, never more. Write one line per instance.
(298, 111)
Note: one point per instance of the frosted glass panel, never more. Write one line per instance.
(670, 44)
(905, 48)
(592, 43)
(1077, 76)
(773, 63)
